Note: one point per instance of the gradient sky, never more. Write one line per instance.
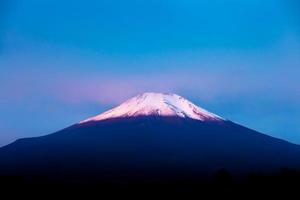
(64, 61)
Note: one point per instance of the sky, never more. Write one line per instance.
(64, 61)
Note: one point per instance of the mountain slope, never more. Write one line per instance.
(143, 146)
(147, 146)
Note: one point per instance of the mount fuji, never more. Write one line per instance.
(151, 137)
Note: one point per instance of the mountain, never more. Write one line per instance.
(151, 137)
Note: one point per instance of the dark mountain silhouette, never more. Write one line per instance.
(152, 149)
(164, 145)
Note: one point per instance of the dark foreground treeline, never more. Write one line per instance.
(284, 184)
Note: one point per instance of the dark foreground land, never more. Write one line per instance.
(285, 184)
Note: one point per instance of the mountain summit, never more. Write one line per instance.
(157, 104)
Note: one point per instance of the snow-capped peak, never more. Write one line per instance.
(157, 104)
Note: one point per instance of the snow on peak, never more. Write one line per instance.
(157, 104)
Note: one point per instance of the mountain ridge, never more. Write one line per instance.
(150, 149)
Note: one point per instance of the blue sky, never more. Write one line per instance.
(64, 61)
